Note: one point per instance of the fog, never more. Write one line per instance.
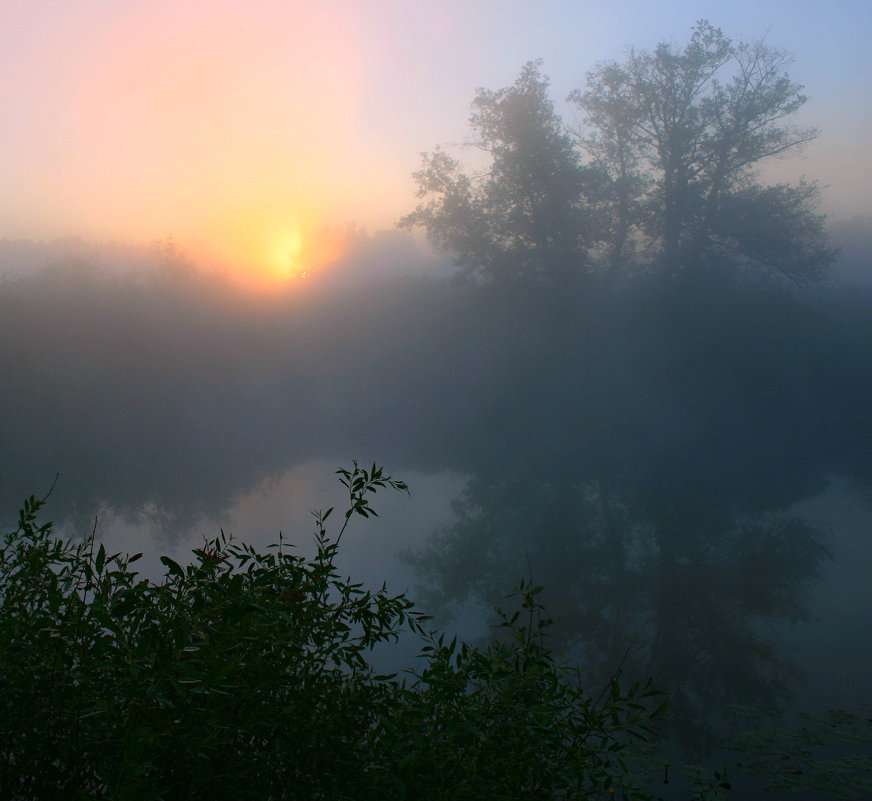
(171, 406)
(659, 412)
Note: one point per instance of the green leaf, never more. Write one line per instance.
(173, 566)
(101, 556)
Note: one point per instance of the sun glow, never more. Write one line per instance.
(222, 129)
(284, 256)
(274, 257)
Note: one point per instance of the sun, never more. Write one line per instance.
(267, 256)
(284, 257)
(299, 253)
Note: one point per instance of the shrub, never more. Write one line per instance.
(245, 674)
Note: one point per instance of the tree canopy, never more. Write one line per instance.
(660, 173)
(523, 216)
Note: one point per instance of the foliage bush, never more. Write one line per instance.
(244, 674)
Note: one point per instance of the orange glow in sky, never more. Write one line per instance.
(207, 117)
(223, 129)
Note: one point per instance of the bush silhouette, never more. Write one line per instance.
(245, 674)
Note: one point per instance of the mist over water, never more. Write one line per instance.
(173, 407)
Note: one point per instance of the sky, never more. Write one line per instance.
(253, 134)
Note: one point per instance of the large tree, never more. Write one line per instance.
(695, 123)
(529, 212)
(649, 454)
(661, 172)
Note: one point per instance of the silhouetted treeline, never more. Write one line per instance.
(152, 390)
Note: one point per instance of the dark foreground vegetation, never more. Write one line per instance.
(245, 675)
